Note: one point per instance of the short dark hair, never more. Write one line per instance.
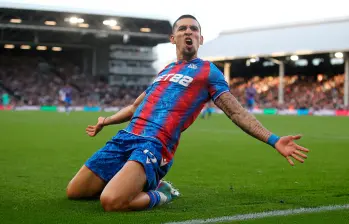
(185, 17)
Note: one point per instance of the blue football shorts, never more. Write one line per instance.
(68, 100)
(250, 102)
(123, 147)
(210, 110)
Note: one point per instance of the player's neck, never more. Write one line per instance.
(181, 57)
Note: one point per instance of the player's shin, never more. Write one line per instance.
(148, 200)
(158, 198)
(163, 194)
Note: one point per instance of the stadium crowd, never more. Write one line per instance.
(300, 92)
(37, 82)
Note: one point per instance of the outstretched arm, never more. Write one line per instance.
(248, 123)
(125, 114)
(241, 117)
(121, 116)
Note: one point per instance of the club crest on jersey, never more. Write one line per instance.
(192, 66)
(183, 80)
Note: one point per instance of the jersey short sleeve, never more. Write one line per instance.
(216, 83)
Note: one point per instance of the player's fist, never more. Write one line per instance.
(289, 149)
(92, 130)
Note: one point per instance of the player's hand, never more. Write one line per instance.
(92, 130)
(289, 149)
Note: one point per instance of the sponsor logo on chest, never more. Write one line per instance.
(183, 80)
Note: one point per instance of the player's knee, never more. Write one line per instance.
(72, 192)
(113, 203)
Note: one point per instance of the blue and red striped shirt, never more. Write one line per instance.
(174, 100)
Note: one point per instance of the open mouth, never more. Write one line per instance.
(188, 41)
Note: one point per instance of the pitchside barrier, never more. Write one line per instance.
(266, 111)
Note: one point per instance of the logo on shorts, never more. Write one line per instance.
(163, 161)
(150, 157)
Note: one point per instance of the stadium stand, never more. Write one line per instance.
(106, 59)
(300, 68)
(109, 66)
(299, 92)
(36, 81)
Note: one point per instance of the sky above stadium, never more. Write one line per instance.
(214, 16)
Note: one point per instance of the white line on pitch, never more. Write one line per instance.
(264, 214)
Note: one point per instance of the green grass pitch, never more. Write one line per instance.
(220, 170)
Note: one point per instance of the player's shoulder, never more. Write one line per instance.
(211, 64)
(167, 67)
(170, 65)
(213, 68)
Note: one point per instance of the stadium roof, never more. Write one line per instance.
(307, 38)
(32, 24)
(62, 8)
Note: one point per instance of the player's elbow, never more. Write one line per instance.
(132, 109)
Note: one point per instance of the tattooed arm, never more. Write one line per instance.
(219, 91)
(242, 118)
(247, 122)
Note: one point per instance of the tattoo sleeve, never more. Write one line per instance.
(241, 117)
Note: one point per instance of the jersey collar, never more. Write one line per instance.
(195, 60)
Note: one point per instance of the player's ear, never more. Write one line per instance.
(172, 40)
(201, 40)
